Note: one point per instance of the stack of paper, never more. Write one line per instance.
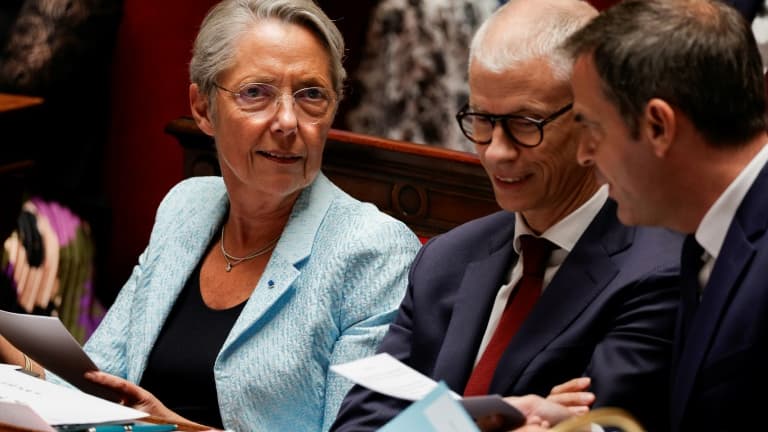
(33, 403)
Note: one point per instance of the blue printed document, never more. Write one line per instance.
(438, 411)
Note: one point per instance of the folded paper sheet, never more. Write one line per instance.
(47, 341)
(384, 374)
(59, 405)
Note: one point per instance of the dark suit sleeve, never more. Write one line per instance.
(630, 366)
(365, 410)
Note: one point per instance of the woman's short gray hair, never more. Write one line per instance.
(214, 49)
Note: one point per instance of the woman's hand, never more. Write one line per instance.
(574, 395)
(12, 355)
(9, 353)
(134, 396)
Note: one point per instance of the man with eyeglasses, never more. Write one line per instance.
(553, 287)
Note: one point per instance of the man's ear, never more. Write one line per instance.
(198, 103)
(659, 126)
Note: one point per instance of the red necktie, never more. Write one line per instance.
(535, 253)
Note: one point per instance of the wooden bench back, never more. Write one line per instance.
(430, 189)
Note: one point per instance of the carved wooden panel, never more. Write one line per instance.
(430, 189)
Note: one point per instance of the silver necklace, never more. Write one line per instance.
(233, 260)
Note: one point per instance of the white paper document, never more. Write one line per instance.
(384, 374)
(58, 405)
(45, 340)
(21, 415)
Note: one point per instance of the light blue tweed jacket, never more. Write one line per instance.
(339, 273)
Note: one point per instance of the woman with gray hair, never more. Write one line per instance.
(255, 282)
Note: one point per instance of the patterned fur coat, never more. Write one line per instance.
(413, 75)
(48, 42)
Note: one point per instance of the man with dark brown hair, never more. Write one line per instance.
(671, 101)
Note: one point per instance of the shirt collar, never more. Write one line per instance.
(566, 232)
(714, 226)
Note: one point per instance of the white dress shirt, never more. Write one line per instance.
(564, 234)
(714, 226)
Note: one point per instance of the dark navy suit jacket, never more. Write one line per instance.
(721, 374)
(608, 313)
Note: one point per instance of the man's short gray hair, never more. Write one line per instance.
(531, 33)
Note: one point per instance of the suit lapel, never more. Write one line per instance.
(184, 246)
(291, 251)
(472, 307)
(583, 275)
(748, 226)
(723, 281)
(471, 310)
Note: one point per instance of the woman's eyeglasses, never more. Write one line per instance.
(311, 104)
